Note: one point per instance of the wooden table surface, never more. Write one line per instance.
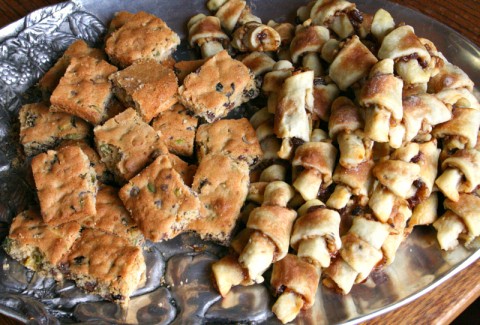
(447, 301)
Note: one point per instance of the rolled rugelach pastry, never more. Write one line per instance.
(256, 190)
(228, 273)
(346, 127)
(395, 210)
(425, 213)
(272, 173)
(291, 122)
(262, 122)
(307, 45)
(352, 63)
(295, 281)
(448, 76)
(412, 60)
(356, 181)
(286, 32)
(232, 13)
(381, 96)
(420, 114)
(398, 233)
(254, 36)
(315, 234)
(339, 16)
(461, 220)
(259, 63)
(271, 224)
(458, 98)
(324, 93)
(461, 131)
(460, 173)
(382, 24)
(361, 251)
(206, 33)
(409, 170)
(273, 82)
(408, 175)
(263, 242)
(317, 161)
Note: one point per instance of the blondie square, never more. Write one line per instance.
(234, 138)
(52, 77)
(159, 201)
(113, 218)
(105, 264)
(41, 129)
(222, 187)
(66, 185)
(125, 46)
(103, 174)
(37, 245)
(178, 129)
(85, 90)
(217, 87)
(127, 144)
(147, 86)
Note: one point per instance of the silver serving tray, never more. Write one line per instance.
(178, 288)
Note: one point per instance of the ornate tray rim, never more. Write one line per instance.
(67, 8)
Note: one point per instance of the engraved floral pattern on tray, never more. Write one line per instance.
(178, 288)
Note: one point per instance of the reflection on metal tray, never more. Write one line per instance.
(179, 288)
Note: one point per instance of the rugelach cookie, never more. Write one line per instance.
(76, 50)
(41, 129)
(222, 187)
(66, 185)
(37, 245)
(178, 129)
(147, 86)
(217, 87)
(113, 218)
(234, 138)
(159, 201)
(126, 144)
(105, 264)
(157, 41)
(84, 90)
(103, 174)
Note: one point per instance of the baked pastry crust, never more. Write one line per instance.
(254, 36)
(293, 276)
(315, 235)
(206, 32)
